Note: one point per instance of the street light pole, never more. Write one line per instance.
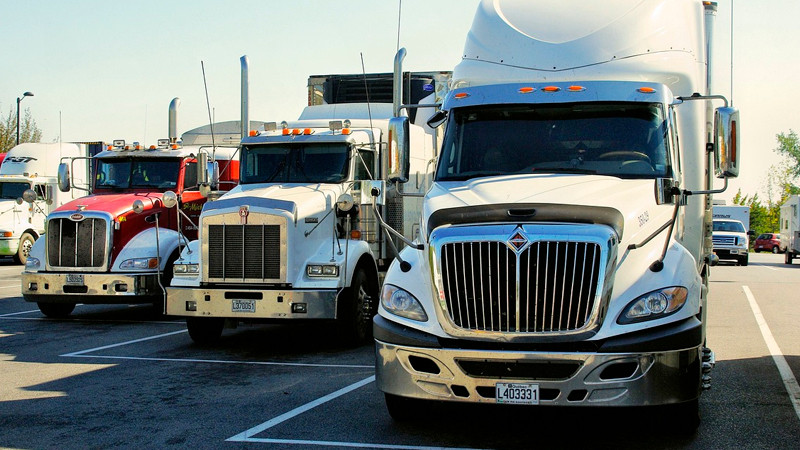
(19, 99)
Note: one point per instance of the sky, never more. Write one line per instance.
(105, 70)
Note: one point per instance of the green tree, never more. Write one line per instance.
(28, 130)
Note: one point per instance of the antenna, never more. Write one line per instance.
(366, 89)
(208, 105)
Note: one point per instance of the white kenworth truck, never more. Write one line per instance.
(565, 242)
(300, 237)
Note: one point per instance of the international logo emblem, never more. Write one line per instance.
(243, 213)
(518, 240)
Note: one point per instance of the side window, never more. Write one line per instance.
(41, 194)
(369, 159)
(190, 177)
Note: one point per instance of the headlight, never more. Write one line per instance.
(139, 263)
(401, 303)
(654, 305)
(32, 263)
(186, 269)
(322, 270)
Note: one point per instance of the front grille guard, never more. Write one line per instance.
(56, 217)
(517, 240)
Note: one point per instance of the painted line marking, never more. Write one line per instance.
(247, 436)
(220, 361)
(18, 313)
(120, 344)
(789, 381)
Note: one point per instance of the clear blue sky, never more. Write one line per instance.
(104, 70)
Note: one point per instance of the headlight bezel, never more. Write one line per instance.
(186, 269)
(33, 263)
(402, 303)
(322, 270)
(654, 305)
(146, 263)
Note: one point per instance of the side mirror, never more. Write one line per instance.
(665, 191)
(398, 153)
(29, 195)
(726, 142)
(169, 199)
(63, 177)
(437, 118)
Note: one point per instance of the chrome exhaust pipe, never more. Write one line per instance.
(245, 122)
(397, 82)
(173, 120)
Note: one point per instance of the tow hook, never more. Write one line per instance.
(709, 361)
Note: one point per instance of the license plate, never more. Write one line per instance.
(75, 278)
(517, 393)
(248, 306)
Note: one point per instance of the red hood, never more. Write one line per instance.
(115, 204)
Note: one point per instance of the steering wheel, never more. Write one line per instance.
(625, 155)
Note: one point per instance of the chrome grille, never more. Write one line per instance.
(244, 252)
(548, 286)
(77, 243)
(723, 240)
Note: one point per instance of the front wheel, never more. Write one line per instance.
(24, 250)
(775, 249)
(56, 310)
(787, 257)
(744, 260)
(205, 330)
(355, 309)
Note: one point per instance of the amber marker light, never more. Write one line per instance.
(307, 131)
(355, 234)
(286, 132)
(296, 132)
(253, 133)
(345, 130)
(526, 90)
(646, 90)
(576, 88)
(461, 95)
(551, 88)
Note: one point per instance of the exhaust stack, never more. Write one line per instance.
(245, 122)
(397, 82)
(173, 120)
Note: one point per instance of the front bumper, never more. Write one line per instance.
(9, 246)
(266, 304)
(95, 288)
(623, 375)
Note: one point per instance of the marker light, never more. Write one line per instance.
(551, 88)
(526, 90)
(174, 146)
(152, 147)
(461, 95)
(286, 132)
(576, 88)
(296, 132)
(345, 130)
(307, 131)
(253, 133)
(355, 234)
(646, 90)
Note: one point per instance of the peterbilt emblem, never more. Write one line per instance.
(243, 213)
(518, 240)
(77, 217)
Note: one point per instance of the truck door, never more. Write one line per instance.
(191, 201)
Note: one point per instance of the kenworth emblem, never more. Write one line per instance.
(77, 217)
(517, 240)
(243, 212)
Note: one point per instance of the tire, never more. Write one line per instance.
(757, 250)
(787, 257)
(684, 416)
(355, 309)
(205, 330)
(403, 409)
(56, 310)
(25, 245)
(775, 249)
(743, 261)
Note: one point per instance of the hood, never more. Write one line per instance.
(585, 195)
(300, 201)
(114, 204)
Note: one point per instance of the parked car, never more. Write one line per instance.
(768, 242)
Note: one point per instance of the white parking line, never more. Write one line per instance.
(247, 436)
(20, 312)
(792, 388)
(222, 361)
(120, 344)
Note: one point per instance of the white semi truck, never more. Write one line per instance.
(790, 228)
(299, 238)
(33, 167)
(565, 242)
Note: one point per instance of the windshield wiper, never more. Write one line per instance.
(277, 171)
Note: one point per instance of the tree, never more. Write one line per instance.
(789, 146)
(28, 130)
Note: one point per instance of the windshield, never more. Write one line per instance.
(295, 163)
(11, 190)
(127, 173)
(626, 140)
(731, 227)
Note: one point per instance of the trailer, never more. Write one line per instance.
(790, 228)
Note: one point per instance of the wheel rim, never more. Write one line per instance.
(27, 244)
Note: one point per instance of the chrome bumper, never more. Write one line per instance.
(611, 379)
(99, 288)
(269, 304)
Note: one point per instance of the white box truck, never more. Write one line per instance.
(34, 167)
(299, 239)
(790, 228)
(566, 240)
